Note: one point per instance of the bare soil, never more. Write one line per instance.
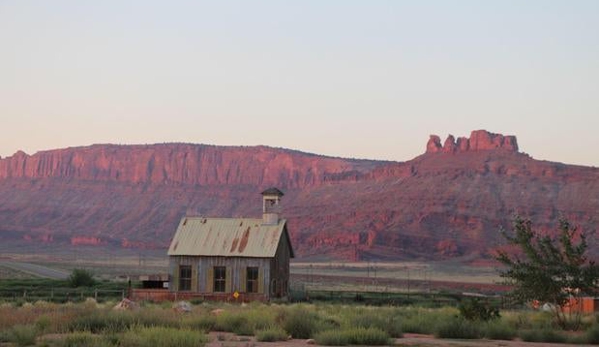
(230, 340)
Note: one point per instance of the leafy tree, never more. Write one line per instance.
(549, 269)
(81, 278)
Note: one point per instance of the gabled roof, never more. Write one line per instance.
(228, 237)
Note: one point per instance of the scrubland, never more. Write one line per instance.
(97, 324)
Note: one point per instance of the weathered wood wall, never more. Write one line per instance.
(279, 265)
(202, 269)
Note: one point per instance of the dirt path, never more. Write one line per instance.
(230, 340)
(36, 270)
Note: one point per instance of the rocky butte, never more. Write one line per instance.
(448, 202)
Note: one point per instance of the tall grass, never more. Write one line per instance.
(84, 339)
(498, 330)
(271, 334)
(545, 335)
(161, 336)
(355, 336)
(459, 328)
(98, 325)
(23, 335)
(300, 322)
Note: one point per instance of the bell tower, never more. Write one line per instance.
(271, 206)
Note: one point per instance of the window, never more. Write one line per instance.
(184, 277)
(252, 280)
(220, 278)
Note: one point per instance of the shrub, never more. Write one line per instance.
(43, 323)
(421, 321)
(164, 337)
(499, 330)
(545, 335)
(157, 317)
(474, 309)
(271, 334)
(84, 339)
(354, 336)
(23, 335)
(4, 336)
(81, 278)
(103, 321)
(458, 328)
(332, 338)
(204, 323)
(300, 322)
(235, 322)
(592, 335)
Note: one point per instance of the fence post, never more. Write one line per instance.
(96, 294)
(24, 293)
(122, 294)
(51, 294)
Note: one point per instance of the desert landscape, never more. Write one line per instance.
(276, 173)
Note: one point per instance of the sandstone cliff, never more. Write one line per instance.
(447, 202)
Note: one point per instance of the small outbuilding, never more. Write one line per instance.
(232, 259)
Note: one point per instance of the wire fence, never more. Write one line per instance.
(62, 294)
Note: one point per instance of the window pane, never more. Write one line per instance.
(185, 277)
(252, 280)
(220, 278)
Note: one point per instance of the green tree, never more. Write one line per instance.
(549, 269)
(81, 278)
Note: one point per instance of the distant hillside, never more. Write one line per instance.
(447, 202)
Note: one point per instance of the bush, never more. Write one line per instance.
(84, 339)
(234, 322)
(458, 328)
(355, 336)
(380, 318)
(499, 330)
(271, 335)
(164, 337)
(103, 321)
(421, 321)
(43, 323)
(300, 322)
(23, 335)
(332, 338)
(473, 309)
(592, 335)
(204, 323)
(544, 335)
(81, 278)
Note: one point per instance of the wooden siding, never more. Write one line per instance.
(273, 273)
(279, 265)
(203, 273)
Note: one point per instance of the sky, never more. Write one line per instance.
(359, 79)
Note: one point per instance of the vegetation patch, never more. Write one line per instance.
(23, 335)
(546, 335)
(300, 322)
(458, 328)
(355, 336)
(164, 337)
(271, 334)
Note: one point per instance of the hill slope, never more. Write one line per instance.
(449, 201)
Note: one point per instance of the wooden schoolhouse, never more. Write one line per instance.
(232, 259)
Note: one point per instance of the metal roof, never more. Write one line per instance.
(227, 237)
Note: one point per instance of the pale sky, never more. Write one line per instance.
(363, 79)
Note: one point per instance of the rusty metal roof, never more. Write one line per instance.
(227, 237)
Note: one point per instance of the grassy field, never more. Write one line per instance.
(92, 324)
(112, 263)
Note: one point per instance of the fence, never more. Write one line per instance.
(62, 294)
